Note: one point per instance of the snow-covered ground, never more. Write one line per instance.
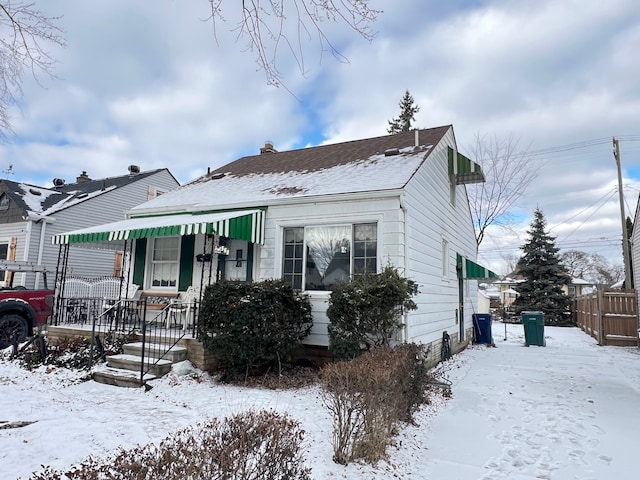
(570, 410)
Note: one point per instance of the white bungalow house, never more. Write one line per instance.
(30, 215)
(316, 216)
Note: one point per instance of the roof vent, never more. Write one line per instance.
(134, 169)
(33, 191)
(58, 182)
(391, 152)
(217, 176)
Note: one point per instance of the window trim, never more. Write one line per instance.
(304, 223)
(445, 252)
(150, 264)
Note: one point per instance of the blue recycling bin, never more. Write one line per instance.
(482, 328)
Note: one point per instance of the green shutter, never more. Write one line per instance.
(139, 261)
(187, 249)
(249, 275)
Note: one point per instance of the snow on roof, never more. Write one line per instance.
(75, 199)
(35, 197)
(378, 172)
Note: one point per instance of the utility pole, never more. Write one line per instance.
(625, 238)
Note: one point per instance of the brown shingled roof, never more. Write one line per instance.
(327, 156)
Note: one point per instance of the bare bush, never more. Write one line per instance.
(369, 395)
(247, 446)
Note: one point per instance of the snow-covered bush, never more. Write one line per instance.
(247, 446)
(250, 326)
(367, 312)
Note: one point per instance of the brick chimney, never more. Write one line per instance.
(83, 177)
(268, 148)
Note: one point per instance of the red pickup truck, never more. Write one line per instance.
(22, 312)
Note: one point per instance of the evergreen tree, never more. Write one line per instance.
(407, 115)
(544, 276)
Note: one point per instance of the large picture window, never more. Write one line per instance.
(164, 262)
(316, 257)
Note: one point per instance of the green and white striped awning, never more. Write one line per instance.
(464, 169)
(240, 224)
(471, 270)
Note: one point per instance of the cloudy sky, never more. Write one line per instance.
(152, 83)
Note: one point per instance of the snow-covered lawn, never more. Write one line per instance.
(570, 410)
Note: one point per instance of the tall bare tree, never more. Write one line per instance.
(508, 171)
(24, 34)
(268, 26)
(592, 267)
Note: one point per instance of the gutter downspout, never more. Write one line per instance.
(405, 333)
(27, 246)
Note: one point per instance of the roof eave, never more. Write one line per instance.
(267, 202)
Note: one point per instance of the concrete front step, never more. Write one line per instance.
(132, 362)
(119, 377)
(176, 354)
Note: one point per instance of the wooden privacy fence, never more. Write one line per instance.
(609, 316)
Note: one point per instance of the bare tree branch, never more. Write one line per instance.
(23, 47)
(264, 27)
(508, 172)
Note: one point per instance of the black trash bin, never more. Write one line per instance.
(482, 328)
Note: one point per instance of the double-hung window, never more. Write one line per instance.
(164, 262)
(316, 257)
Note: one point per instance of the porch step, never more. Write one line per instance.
(119, 377)
(132, 363)
(175, 354)
(123, 370)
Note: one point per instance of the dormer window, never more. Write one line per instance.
(4, 202)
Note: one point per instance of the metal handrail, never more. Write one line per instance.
(161, 348)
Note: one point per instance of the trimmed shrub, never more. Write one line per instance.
(369, 395)
(367, 312)
(247, 446)
(249, 327)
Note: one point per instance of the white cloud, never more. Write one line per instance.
(147, 84)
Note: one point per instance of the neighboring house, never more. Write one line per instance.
(315, 216)
(488, 298)
(31, 215)
(508, 288)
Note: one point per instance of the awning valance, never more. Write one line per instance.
(240, 224)
(464, 169)
(471, 270)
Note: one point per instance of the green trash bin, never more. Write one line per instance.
(533, 328)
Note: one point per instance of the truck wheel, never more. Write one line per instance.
(11, 325)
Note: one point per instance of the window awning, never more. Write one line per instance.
(471, 270)
(240, 224)
(464, 169)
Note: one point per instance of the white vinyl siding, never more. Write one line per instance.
(431, 218)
